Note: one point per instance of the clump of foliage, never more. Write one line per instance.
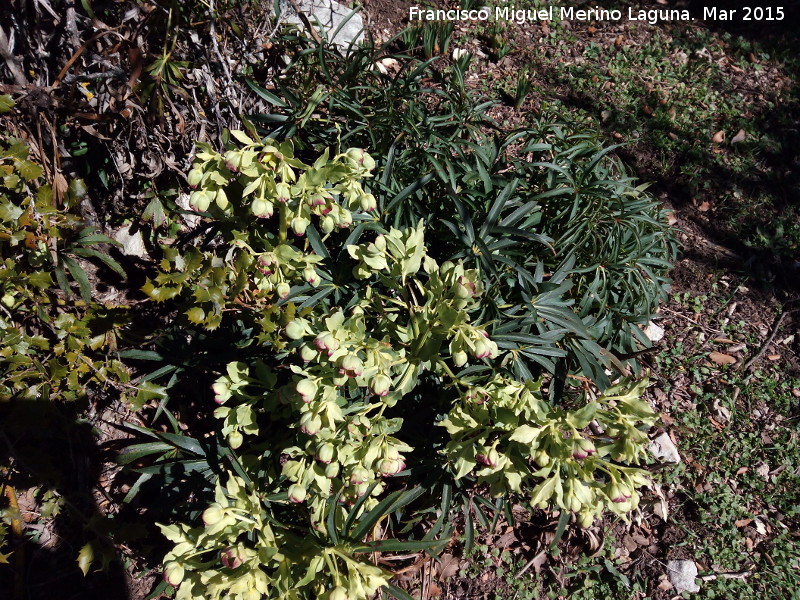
(357, 325)
(51, 344)
(575, 254)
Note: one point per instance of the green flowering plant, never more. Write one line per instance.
(503, 430)
(353, 323)
(255, 263)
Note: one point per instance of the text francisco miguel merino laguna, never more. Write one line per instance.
(569, 13)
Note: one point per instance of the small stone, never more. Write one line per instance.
(682, 574)
(664, 450)
(653, 332)
(328, 16)
(132, 245)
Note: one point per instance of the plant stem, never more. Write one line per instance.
(283, 224)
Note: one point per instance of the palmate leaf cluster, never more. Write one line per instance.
(575, 251)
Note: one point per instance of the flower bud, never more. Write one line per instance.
(583, 448)
(380, 385)
(541, 458)
(194, 178)
(282, 290)
(585, 518)
(233, 159)
(310, 275)
(325, 452)
(368, 203)
(367, 162)
(213, 514)
(462, 292)
(482, 349)
(222, 391)
(460, 358)
(310, 424)
(235, 439)
(173, 573)
(327, 224)
(282, 193)
(391, 466)
(199, 200)
(345, 219)
(295, 329)
(338, 593)
(359, 476)
(332, 470)
(230, 558)
(297, 493)
(307, 389)
(491, 458)
(261, 208)
(325, 342)
(318, 200)
(351, 366)
(355, 156)
(617, 494)
(299, 225)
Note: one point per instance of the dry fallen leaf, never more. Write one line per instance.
(773, 356)
(742, 522)
(722, 359)
(506, 539)
(718, 137)
(630, 543)
(716, 423)
(704, 206)
(739, 137)
(448, 566)
(722, 413)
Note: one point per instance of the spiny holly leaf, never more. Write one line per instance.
(160, 294)
(6, 103)
(85, 558)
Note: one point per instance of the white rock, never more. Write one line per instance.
(682, 575)
(664, 450)
(328, 16)
(653, 332)
(132, 245)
